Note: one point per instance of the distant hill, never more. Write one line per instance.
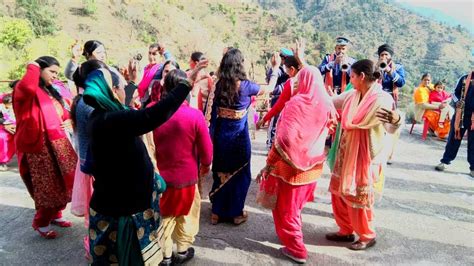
(257, 27)
(438, 15)
(420, 44)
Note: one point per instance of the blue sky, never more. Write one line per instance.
(452, 12)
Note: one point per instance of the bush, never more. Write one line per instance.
(90, 7)
(17, 72)
(15, 33)
(40, 15)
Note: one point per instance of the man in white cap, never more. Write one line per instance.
(336, 67)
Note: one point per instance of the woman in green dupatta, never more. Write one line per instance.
(333, 150)
(124, 214)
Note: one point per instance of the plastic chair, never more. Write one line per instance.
(426, 126)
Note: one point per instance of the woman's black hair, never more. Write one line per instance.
(197, 56)
(90, 47)
(369, 68)
(425, 76)
(440, 82)
(45, 62)
(172, 80)
(7, 98)
(79, 77)
(115, 79)
(13, 84)
(290, 61)
(172, 62)
(231, 71)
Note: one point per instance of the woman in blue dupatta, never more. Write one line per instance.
(227, 107)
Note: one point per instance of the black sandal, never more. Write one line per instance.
(360, 245)
(340, 238)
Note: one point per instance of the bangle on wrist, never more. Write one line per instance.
(398, 121)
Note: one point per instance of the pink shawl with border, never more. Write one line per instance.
(358, 117)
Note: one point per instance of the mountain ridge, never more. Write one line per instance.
(257, 27)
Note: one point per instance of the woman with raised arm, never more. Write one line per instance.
(124, 216)
(46, 158)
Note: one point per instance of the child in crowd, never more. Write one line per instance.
(7, 131)
(439, 95)
(253, 116)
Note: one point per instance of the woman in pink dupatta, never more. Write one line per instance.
(365, 145)
(46, 157)
(296, 160)
(151, 70)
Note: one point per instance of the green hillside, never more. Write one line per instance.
(30, 28)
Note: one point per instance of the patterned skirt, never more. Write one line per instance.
(49, 174)
(130, 240)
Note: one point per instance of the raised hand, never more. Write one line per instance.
(133, 70)
(76, 51)
(194, 73)
(298, 51)
(276, 60)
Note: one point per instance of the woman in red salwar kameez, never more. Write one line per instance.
(46, 157)
(296, 160)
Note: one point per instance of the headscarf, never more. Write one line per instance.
(98, 91)
(385, 47)
(303, 125)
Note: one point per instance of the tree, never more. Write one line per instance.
(15, 33)
(40, 15)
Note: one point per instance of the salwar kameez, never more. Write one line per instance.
(287, 215)
(352, 220)
(296, 160)
(46, 158)
(183, 227)
(285, 192)
(357, 178)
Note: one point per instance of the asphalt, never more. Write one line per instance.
(424, 218)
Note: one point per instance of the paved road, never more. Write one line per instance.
(425, 218)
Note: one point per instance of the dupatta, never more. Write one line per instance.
(361, 142)
(98, 91)
(303, 124)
